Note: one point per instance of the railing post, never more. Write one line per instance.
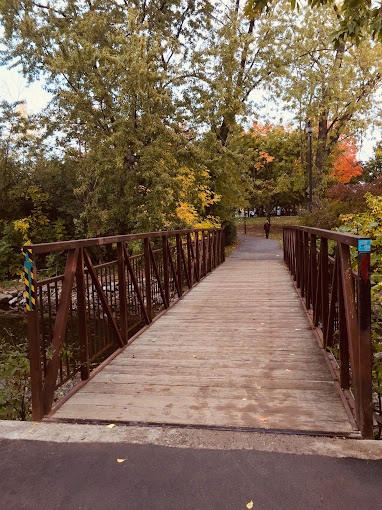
(122, 291)
(313, 269)
(209, 252)
(83, 337)
(179, 262)
(365, 352)
(204, 250)
(166, 279)
(35, 349)
(148, 279)
(306, 270)
(223, 245)
(342, 329)
(190, 262)
(197, 256)
(324, 284)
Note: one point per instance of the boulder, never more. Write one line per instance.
(4, 299)
(14, 301)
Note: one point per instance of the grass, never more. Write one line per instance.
(11, 285)
(255, 226)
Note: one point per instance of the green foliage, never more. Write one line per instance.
(373, 168)
(369, 224)
(356, 19)
(15, 392)
(276, 173)
(230, 232)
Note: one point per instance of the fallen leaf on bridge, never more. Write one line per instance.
(243, 399)
(259, 387)
(287, 370)
(121, 460)
(297, 329)
(249, 505)
(261, 418)
(37, 424)
(111, 426)
(193, 356)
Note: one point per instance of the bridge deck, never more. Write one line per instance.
(237, 351)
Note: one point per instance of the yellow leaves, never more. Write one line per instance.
(111, 426)
(120, 461)
(259, 387)
(287, 370)
(262, 418)
(244, 398)
(249, 505)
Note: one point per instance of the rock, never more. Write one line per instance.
(13, 301)
(14, 293)
(4, 299)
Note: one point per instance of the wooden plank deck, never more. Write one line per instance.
(236, 351)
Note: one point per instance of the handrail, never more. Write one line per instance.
(338, 300)
(87, 314)
(101, 241)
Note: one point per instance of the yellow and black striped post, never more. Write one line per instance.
(30, 288)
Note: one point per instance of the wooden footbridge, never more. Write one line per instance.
(177, 335)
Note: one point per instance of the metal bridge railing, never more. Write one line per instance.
(86, 315)
(338, 298)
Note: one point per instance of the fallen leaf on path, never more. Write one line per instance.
(261, 418)
(193, 356)
(30, 431)
(121, 460)
(287, 370)
(297, 329)
(291, 354)
(243, 399)
(259, 387)
(37, 424)
(249, 505)
(111, 426)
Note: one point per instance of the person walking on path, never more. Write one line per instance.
(267, 228)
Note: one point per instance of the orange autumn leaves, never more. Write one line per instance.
(345, 165)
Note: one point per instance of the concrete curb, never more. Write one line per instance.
(191, 439)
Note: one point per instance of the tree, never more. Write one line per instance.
(345, 164)
(373, 168)
(356, 18)
(277, 173)
(112, 68)
(334, 88)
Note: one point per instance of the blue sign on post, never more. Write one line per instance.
(364, 245)
(30, 295)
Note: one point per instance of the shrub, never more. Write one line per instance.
(15, 391)
(230, 232)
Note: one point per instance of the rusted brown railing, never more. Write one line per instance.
(92, 311)
(338, 299)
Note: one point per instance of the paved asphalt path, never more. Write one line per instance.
(45, 475)
(257, 248)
